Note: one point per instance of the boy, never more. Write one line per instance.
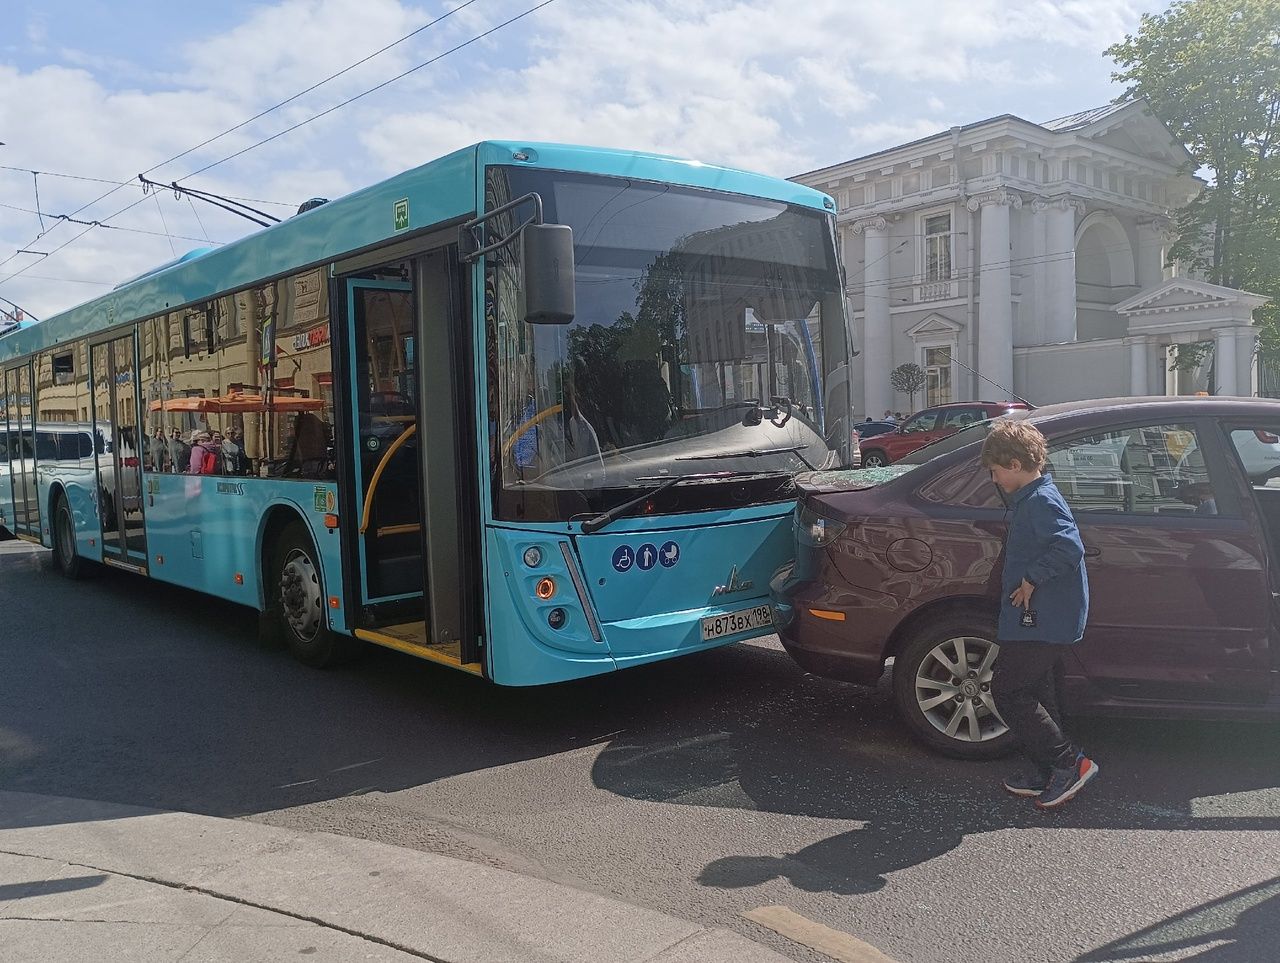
(1045, 603)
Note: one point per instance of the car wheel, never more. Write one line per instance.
(942, 688)
(70, 564)
(874, 459)
(299, 594)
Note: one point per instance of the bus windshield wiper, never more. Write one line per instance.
(753, 453)
(604, 518)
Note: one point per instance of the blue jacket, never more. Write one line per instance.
(1043, 546)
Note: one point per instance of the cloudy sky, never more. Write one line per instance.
(107, 89)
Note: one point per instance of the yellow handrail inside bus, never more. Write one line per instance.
(541, 416)
(377, 475)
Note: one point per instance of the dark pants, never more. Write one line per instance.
(1024, 685)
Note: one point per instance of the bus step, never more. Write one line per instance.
(411, 637)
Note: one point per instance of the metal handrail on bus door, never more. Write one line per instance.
(377, 475)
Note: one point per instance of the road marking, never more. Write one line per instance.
(838, 945)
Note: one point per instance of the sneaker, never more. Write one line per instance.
(1065, 783)
(1027, 784)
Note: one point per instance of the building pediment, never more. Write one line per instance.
(1128, 127)
(935, 326)
(1184, 294)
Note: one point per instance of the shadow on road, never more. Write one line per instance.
(1243, 927)
(124, 690)
(47, 887)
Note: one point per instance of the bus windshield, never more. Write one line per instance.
(709, 337)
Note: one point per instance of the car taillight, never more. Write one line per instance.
(1266, 437)
(814, 530)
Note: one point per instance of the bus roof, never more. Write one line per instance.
(440, 190)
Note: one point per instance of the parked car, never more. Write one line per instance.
(869, 429)
(1181, 554)
(926, 427)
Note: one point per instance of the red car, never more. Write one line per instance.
(926, 427)
(1182, 549)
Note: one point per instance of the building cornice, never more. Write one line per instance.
(999, 196)
(872, 223)
(1059, 202)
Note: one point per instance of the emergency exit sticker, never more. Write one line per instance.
(402, 214)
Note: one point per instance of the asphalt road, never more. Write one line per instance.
(703, 787)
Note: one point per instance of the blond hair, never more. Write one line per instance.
(1014, 440)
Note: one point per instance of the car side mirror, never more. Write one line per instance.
(547, 282)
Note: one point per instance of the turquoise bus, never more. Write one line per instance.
(529, 411)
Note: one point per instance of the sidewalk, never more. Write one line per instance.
(83, 880)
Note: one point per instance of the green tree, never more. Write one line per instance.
(907, 378)
(1210, 70)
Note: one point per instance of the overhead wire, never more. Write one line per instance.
(130, 183)
(287, 130)
(351, 100)
(110, 227)
(118, 185)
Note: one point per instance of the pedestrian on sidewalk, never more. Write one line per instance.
(1043, 609)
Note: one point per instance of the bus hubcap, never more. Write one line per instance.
(300, 595)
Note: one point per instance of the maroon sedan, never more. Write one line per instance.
(1181, 530)
(925, 427)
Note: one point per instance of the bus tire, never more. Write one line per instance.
(298, 595)
(69, 563)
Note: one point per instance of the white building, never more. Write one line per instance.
(1033, 254)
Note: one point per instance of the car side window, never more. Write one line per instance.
(959, 417)
(925, 421)
(1145, 470)
(1259, 450)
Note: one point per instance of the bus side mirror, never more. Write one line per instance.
(546, 262)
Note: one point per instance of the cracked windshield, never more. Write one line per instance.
(709, 338)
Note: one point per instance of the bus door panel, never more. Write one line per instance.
(119, 454)
(385, 416)
(22, 452)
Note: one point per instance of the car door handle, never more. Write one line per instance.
(1092, 552)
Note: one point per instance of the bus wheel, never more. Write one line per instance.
(299, 593)
(69, 563)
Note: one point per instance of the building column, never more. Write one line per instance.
(995, 291)
(1060, 266)
(877, 336)
(1245, 342)
(1153, 232)
(1139, 364)
(1224, 361)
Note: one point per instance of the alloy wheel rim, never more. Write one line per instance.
(873, 461)
(953, 689)
(300, 595)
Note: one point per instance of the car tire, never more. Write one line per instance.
(298, 595)
(874, 458)
(69, 562)
(947, 705)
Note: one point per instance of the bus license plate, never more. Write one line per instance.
(731, 623)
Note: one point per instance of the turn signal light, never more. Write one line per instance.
(334, 602)
(827, 614)
(239, 578)
(545, 588)
(331, 521)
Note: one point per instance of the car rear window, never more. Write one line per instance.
(973, 434)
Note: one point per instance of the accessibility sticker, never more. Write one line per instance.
(646, 556)
(623, 558)
(669, 554)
